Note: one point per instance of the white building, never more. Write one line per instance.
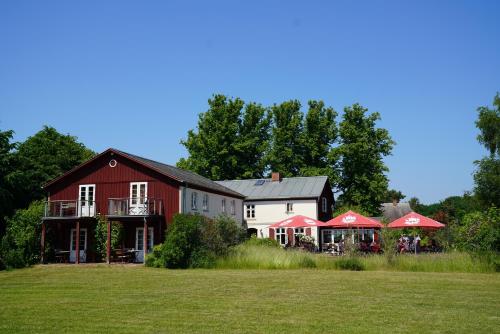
(269, 201)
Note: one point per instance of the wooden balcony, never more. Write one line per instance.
(134, 207)
(68, 209)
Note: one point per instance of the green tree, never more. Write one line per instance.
(20, 246)
(393, 195)
(487, 181)
(39, 159)
(253, 140)
(480, 231)
(488, 123)
(287, 150)
(487, 175)
(319, 135)
(361, 170)
(6, 167)
(230, 140)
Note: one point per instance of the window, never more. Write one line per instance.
(250, 211)
(194, 200)
(205, 202)
(281, 236)
(324, 204)
(138, 193)
(233, 207)
(289, 207)
(297, 233)
(223, 205)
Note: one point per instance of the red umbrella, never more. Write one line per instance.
(297, 221)
(413, 219)
(353, 219)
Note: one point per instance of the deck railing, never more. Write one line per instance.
(135, 206)
(69, 209)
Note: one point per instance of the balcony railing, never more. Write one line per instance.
(135, 206)
(70, 209)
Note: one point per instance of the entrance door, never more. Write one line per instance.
(86, 203)
(138, 198)
(83, 245)
(139, 242)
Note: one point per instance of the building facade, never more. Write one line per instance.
(268, 201)
(141, 195)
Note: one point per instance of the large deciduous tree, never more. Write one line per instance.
(361, 169)
(40, 158)
(230, 140)
(319, 135)
(287, 150)
(6, 167)
(488, 123)
(487, 175)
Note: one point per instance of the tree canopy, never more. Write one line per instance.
(487, 175)
(488, 123)
(230, 140)
(238, 140)
(361, 170)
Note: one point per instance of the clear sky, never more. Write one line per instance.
(135, 74)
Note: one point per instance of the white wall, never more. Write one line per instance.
(270, 212)
(214, 204)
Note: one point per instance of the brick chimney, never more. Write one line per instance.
(275, 176)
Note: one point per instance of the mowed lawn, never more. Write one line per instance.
(135, 299)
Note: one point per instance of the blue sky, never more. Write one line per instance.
(135, 74)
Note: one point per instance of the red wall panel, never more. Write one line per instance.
(114, 182)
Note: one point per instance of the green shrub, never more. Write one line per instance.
(101, 236)
(20, 246)
(267, 242)
(155, 259)
(349, 263)
(194, 241)
(479, 231)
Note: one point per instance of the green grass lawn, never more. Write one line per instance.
(135, 299)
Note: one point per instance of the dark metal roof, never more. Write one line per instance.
(292, 187)
(183, 176)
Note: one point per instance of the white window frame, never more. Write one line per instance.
(250, 211)
(289, 207)
(194, 200)
(279, 232)
(233, 207)
(205, 202)
(87, 204)
(223, 205)
(324, 204)
(138, 200)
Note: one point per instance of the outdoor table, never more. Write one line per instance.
(62, 256)
(132, 253)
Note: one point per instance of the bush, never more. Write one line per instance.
(101, 236)
(154, 259)
(20, 246)
(266, 242)
(349, 263)
(194, 241)
(479, 231)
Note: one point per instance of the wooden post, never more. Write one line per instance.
(108, 244)
(145, 239)
(77, 243)
(42, 244)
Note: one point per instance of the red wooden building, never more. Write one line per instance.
(141, 194)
